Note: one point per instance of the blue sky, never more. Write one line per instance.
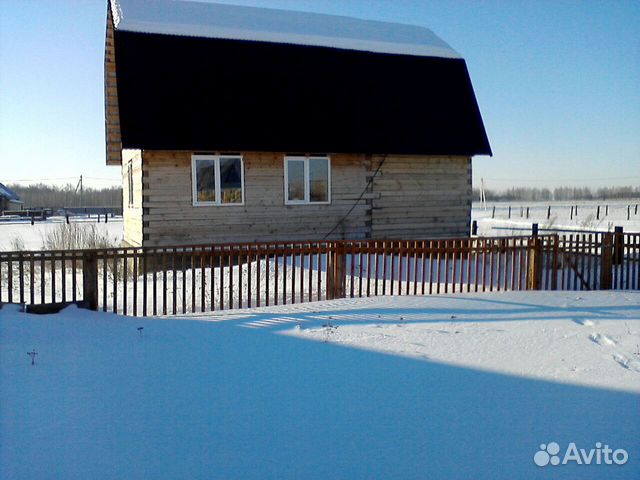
(558, 84)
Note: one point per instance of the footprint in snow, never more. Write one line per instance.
(584, 322)
(626, 363)
(601, 339)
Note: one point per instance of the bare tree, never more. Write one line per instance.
(55, 197)
(559, 193)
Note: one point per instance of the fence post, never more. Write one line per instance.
(341, 271)
(618, 246)
(331, 262)
(606, 270)
(336, 271)
(554, 262)
(90, 279)
(534, 275)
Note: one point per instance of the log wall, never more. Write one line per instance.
(171, 218)
(132, 214)
(410, 197)
(421, 197)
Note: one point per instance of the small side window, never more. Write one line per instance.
(130, 183)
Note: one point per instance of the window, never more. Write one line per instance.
(130, 183)
(307, 180)
(217, 179)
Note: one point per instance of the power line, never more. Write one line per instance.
(358, 200)
(39, 179)
(112, 180)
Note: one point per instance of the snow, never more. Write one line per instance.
(572, 336)
(33, 235)
(586, 217)
(211, 20)
(464, 386)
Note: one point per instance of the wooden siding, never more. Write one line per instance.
(111, 112)
(410, 197)
(132, 214)
(170, 217)
(421, 197)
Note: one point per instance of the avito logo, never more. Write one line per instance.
(600, 455)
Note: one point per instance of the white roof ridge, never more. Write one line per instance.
(232, 22)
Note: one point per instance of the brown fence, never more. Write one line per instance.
(176, 280)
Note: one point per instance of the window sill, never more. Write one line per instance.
(212, 204)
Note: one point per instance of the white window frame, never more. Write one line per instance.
(307, 189)
(216, 167)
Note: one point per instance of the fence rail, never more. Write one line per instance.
(188, 279)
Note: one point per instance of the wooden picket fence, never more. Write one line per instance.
(188, 279)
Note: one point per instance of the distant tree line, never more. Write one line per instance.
(559, 193)
(48, 196)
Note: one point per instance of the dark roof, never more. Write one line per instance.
(9, 194)
(180, 92)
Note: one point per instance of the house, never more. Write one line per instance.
(250, 124)
(9, 200)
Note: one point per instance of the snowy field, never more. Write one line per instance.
(501, 225)
(452, 387)
(560, 218)
(33, 236)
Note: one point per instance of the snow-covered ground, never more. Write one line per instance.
(32, 236)
(501, 225)
(455, 387)
(561, 217)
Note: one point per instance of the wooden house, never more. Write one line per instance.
(249, 124)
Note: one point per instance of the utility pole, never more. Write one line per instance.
(483, 198)
(79, 186)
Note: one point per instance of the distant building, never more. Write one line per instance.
(250, 124)
(9, 200)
